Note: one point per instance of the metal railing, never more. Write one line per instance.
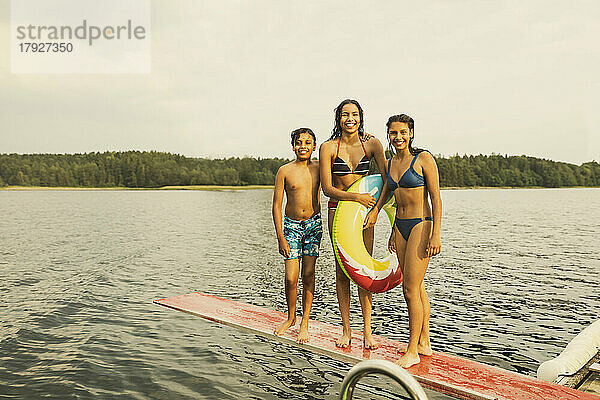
(387, 368)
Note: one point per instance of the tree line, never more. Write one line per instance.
(135, 169)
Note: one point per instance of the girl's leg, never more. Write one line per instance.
(342, 289)
(366, 298)
(400, 253)
(424, 346)
(414, 273)
(308, 290)
(292, 268)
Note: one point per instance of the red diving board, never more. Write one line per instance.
(452, 375)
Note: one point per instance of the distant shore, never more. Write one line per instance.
(249, 187)
(193, 187)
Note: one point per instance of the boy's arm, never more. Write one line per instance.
(326, 182)
(284, 247)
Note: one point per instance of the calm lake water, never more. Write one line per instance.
(518, 277)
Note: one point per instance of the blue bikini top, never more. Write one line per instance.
(410, 178)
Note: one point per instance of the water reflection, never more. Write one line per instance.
(516, 280)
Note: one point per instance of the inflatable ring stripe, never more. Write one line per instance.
(367, 272)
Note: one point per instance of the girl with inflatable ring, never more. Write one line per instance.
(344, 159)
(414, 180)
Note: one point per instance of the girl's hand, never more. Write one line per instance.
(371, 218)
(284, 247)
(365, 199)
(434, 247)
(392, 241)
(366, 137)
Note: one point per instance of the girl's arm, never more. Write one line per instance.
(379, 155)
(284, 247)
(325, 160)
(432, 179)
(371, 217)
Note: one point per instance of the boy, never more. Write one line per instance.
(300, 233)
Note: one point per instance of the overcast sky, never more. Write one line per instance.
(233, 78)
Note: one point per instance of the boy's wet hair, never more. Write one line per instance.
(296, 134)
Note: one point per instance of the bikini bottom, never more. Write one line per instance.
(406, 225)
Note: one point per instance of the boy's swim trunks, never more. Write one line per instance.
(304, 237)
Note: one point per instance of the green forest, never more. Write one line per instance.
(135, 169)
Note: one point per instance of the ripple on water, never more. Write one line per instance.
(516, 280)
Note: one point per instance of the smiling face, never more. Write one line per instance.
(350, 119)
(399, 136)
(304, 145)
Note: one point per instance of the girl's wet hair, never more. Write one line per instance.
(411, 127)
(296, 134)
(337, 129)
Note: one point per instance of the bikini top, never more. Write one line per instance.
(341, 168)
(410, 178)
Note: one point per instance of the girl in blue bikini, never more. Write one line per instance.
(413, 179)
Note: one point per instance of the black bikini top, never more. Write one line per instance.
(341, 168)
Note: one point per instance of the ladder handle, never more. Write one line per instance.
(387, 368)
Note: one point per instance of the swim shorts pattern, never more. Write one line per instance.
(304, 237)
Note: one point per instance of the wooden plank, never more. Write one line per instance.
(575, 381)
(452, 375)
(591, 384)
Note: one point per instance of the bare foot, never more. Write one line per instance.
(284, 326)
(421, 349)
(303, 334)
(344, 341)
(424, 349)
(408, 360)
(369, 342)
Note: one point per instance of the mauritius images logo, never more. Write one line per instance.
(80, 36)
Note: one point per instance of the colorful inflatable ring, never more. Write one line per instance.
(373, 275)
